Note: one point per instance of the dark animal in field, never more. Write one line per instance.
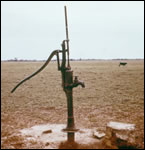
(122, 63)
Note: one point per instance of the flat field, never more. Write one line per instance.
(112, 93)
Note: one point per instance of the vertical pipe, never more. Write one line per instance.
(69, 95)
(71, 137)
(67, 38)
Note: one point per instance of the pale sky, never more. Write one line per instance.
(97, 29)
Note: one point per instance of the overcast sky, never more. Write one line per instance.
(97, 29)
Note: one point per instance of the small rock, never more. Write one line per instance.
(81, 131)
(98, 135)
(47, 131)
(47, 144)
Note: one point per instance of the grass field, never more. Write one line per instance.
(112, 93)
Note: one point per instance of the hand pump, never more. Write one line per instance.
(68, 83)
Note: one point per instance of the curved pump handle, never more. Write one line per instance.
(55, 52)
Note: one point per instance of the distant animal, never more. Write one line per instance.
(122, 63)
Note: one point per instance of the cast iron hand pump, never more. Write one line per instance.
(68, 83)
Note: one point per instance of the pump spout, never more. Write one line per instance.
(78, 82)
(81, 83)
(75, 83)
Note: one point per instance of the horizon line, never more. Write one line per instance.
(80, 59)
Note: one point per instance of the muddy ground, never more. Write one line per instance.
(112, 93)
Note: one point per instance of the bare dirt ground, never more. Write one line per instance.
(112, 93)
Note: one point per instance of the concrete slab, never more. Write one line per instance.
(55, 136)
(121, 126)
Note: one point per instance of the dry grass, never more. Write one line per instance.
(112, 93)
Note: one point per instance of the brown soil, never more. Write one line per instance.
(112, 93)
